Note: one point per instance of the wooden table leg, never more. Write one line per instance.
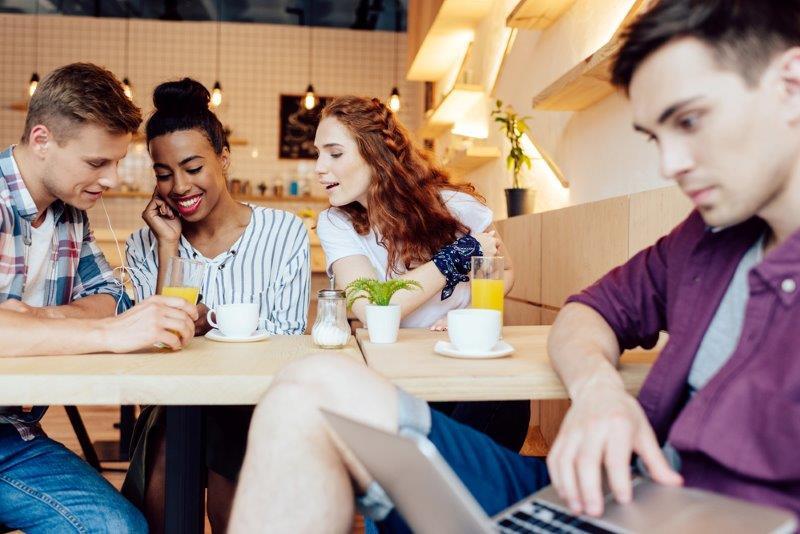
(184, 506)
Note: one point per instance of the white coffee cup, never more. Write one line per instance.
(474, 330)
(234, 320)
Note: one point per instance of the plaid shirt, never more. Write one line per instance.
(77, 267)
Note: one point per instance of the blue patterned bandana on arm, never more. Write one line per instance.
(454, 262)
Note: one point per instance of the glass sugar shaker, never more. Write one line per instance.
(331, 329)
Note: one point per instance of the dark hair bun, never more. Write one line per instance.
(183, 97)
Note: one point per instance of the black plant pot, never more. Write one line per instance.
(519, 201)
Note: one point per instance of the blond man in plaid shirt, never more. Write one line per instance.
(58, 294)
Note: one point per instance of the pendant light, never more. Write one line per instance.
(394, 97)
(34, 82)
(216, 92)
(310, 100)
(126, 83)
(394, 100)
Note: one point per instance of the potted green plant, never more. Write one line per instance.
(383, 317)
(519, 200)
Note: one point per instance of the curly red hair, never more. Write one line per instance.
(404, 196)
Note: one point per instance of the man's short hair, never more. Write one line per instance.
(77, 94)
(744, 34)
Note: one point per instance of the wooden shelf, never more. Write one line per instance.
(588, 82)
(19, 105)
(582, 86)
(537, 14)
(139, 137)
(462, 162)
(460, 98)
(245, 198)
(447, 38)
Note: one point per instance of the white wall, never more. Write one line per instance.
(258, 63)
(597, 150)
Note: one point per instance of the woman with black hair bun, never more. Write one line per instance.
(252, 254)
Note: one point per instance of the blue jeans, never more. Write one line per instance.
(496, 476)
(46, 488)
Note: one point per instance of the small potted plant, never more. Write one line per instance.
(519, 200)
(383, 317)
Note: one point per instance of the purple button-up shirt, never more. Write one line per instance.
(740, 434)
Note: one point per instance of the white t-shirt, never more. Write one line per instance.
(38, 261)
(339, 240)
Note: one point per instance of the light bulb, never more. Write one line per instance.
(127, 88)
(216, 95)
(34, 83)
(310, 100)
(394, 100)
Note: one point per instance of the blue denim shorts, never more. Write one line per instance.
(497, 477)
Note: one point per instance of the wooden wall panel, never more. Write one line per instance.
(653, 214)
(551, 414)
(548, 316)
(580, 244)
(522, 237)
(517, 313)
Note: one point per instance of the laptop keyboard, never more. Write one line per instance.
(537, 517)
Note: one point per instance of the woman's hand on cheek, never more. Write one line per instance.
(162, 220)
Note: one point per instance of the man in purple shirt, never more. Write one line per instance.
(716, 84)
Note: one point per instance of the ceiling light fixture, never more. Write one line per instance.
(310, 100)
(394, 97)
(34, 82)
(126, 82)
(216, 92)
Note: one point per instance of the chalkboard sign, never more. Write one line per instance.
(298, 127)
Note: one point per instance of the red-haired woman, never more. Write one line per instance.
(394, 214)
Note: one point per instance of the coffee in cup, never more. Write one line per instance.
(234, 320)
(474, 330)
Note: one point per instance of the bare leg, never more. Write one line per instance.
(295, 477)
(220, 499)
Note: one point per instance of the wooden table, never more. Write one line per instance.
(412, 364)
(204, 373)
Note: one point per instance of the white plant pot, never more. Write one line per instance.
(383, 323)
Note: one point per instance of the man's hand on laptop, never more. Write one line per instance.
(604, 426)
(158, 319)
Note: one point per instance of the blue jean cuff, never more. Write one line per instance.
(374, 503)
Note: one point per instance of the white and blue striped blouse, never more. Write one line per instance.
(268, 264)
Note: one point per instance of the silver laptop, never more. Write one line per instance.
(431, 497)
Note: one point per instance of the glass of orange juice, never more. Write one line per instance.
(184, 277)
(488, 287)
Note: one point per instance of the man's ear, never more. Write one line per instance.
(788, 67)
(39, 139)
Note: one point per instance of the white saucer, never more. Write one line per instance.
(216, 335)
(445, 348)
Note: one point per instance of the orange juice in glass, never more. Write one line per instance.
(183, 279)
(189, 294)
(488, 288)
